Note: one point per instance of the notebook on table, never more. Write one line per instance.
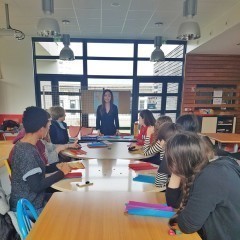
(74, 152)
(97, 145)
(73, 175)
(76, 165)
(141, 166)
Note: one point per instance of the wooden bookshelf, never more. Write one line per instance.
(206, 74)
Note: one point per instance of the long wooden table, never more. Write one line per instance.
(107, 175)
(100, 216)
(115, 150)
(5, 149)
(225, 138)
(108, 169)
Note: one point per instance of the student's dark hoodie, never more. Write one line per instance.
(213, 207)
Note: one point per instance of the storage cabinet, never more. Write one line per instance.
(226, 124)
(221, 124)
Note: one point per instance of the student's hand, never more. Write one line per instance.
(132, 145)
(64, 167)
(150, 131)
(60, 147)
(117, 132)
(74, 145)
(162, 143)
(173, 224)
(138, 147)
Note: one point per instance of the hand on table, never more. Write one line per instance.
(132, 145)
(64, 167)
(74, 145)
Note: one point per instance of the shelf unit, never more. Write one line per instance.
(217, 124)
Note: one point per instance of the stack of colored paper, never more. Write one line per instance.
(96, 145)
(74, 152)
(141, 166)
(73, 175)
(148, 209)
(144, 178)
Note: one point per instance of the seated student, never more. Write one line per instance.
(211, 196)
(166, 131)
(189, 122)
(155, 147)
(58, 130)
(28, 169)
(146, 119)
(48, 151)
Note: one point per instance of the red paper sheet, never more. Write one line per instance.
(73, 175)
(141, 166)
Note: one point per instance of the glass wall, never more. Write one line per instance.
(114, 64)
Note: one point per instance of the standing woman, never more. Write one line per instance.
(107, 122)
(211, 197)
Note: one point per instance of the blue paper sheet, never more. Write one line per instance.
(144, 178)
(150, 212)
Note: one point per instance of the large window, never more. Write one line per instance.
(114, 64)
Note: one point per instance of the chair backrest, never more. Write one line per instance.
(26, 214)
(6, 163)
(74, 131)
(86, 131)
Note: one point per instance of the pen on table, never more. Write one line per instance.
(84, 185)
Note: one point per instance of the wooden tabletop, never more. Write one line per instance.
(224, 137)
(116, 150)
(108, 175)
(100, 216)
(5, 149)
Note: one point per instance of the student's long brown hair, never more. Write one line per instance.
(187, 154)
(159, 122)
(103, 108)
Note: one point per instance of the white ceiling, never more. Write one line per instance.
(133, 19)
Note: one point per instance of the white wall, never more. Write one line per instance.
(17, 83)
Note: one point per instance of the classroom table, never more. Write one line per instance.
(100, 216)
(115, 150)
(5, 149)
(108, 175)
(107, 165)
(117, 138)
(221, 138)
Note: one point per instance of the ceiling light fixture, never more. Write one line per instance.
(190, 29)
(66, 53)
(48, 27)
(9, 31)
(157, 55)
